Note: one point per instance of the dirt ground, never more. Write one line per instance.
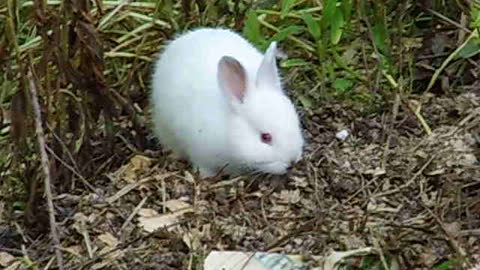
(414, 198)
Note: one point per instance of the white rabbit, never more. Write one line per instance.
(217, 101)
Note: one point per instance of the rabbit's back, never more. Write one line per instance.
(188, 108)
(198, 53)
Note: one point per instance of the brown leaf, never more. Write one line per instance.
(108, 239)
(6, 259)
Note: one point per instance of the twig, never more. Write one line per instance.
(64, 163)
(292, 234)
(360, 190)
(474, 232)
(465, 120)
(46, 169)
(450, 21)
(15, 251)
(67, 151)
(135, 211)
(454, 244)
(417, 112)
(124, 245)
(26, 259)
(398, 189)
(377, 246)
(391, 125)
(86, 237)
(127, 189)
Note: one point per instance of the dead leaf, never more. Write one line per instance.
(279, 208)
(150, 220)
(140, 162)
(178, 206)
(108, 239)
(376, 172)
(429, 199)
(15, 266)
(189, 177)
(150, 224)
(133, 170)
(100, 265)
(80, 221)
(6, 259)
(147, 212)
(74, 250)
(126, 189)
(290, 196)
(192, 239)
(452, 228)
(427, 257)
(299, 182)
(436, 172)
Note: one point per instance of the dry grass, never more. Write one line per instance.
(391, 185)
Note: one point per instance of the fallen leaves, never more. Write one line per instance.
(150, 220)
(6, 259)
(331, 201)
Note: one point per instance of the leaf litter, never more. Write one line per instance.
(340, 197)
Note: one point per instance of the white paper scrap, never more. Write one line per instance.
(235, 260)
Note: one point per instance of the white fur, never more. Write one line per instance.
(195, 115)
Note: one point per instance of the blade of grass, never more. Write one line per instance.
(149, 19)
(287, 5)
(141, 28)
(103, 23)
(448, 60)
(127, 55)
(150, 5)
(251, 30)
(297, 14)
(297, 40)
(313, 26)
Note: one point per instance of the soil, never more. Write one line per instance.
(388, 185)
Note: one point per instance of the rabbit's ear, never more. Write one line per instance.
(232, 77)
(267, 75)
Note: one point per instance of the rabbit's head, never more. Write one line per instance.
(263, 126)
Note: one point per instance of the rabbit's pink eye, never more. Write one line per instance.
(266, 138)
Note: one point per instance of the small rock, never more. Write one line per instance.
(342, 135)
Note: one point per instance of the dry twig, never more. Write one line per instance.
(46, 169)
